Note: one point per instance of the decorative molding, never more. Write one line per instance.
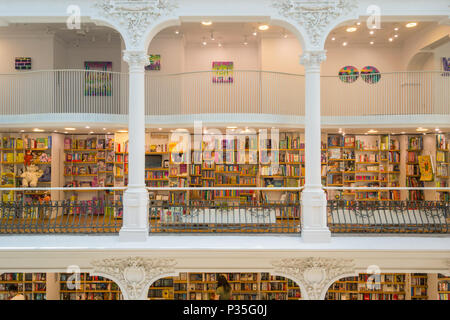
(314, 16)
(315, 273)
(138, 59)
(134, 273)
(313, 58)
(135, 16)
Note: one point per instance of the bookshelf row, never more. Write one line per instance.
(351, 160)
(245, 286)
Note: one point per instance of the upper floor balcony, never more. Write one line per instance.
(254, 96)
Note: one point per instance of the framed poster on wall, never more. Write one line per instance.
(22, 63)
(155, 62)
(222, 72)
(98, 82)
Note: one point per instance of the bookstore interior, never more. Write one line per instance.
(244, 286)
(241, 160)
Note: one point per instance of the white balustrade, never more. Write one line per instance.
(398, 94)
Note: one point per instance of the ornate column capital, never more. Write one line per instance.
(134, 17)
(136, 59)
(314, 16)
(314, 273)
(313, 59)
(134, 274)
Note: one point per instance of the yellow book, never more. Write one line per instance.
(19, 143)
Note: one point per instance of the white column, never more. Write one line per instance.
(314, 204)
(135, 216)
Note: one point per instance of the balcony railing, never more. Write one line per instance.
(247, 92)
(386, 95)
(216, 216)
(394, 96)
(388, 216)
(64, 92)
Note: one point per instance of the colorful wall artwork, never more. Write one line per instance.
(426, 168)
(23, 63)
(348, 74)
(222, 72)
(97, 83)
(370, 74)
(155, 62)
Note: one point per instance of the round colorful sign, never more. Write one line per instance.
(370, 74)
(348, 74)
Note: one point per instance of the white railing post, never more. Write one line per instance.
(135, 216)
(314, 203)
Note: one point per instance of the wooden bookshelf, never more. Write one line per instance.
(31, 285)
(443, 287)
(245, 286)
(87, 287)
(385, 286)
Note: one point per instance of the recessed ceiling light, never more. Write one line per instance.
(371, 42)
(65, 132)
(437, 129)
(411, 24)
(371, 32)
(38, 130)
(206, 23)
(55, 130)
(70, 129)
(420, 129)
(91, 132)
(396, 28)
(332, 39)
(108, 133)
(104, 128)
(391, 39)
(344, 43)
(22, 130)
(395, 35)
(255, 33)
(159, 129)
(372, 131)
(231, 127)
(204, 42)
(358, 23)
(122, 131)
(263, 27)
(87, 127)
(351, 29)
(403, 132)
(219, 44)
(177, 32)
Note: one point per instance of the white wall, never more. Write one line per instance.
(199, 58)
(76, 56)
(59, 54)
(283, 55)
(38, 47)
(172, 54)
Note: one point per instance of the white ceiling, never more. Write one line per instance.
(229, 33)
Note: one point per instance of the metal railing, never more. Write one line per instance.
(388, 216)
(386, 94)
(225, 216)
(41, 216)
(239, 214)
(249, 92)
(64, 91)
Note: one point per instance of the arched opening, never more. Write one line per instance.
(57, 286)
(213, 71)
(244, 286)
(391, 286)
